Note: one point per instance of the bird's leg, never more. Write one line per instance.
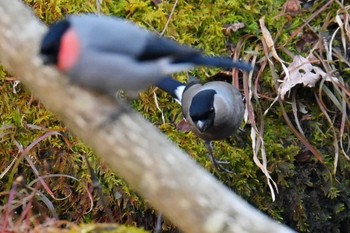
(217, 164)
(122, 108)
(96, 185)
(158, 227)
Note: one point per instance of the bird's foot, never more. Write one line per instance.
(158, 227)
(115, 115)
(219, 165)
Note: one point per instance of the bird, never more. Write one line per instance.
(213, 110)
(108, 54)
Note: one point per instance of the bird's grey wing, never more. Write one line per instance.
(230, 107)
(116, 35)
(157, 47)
(109, 34)
(229, 92)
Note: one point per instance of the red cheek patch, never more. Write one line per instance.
(69, 51)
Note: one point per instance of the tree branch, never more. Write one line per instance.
(165, 176)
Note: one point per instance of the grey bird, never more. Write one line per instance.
(108, 54)
(214, 110)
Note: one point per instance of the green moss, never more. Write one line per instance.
(310, 198)
(106, 228)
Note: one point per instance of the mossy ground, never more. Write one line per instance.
(311, 197)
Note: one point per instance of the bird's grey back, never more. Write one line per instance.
(230, 100)
(109, 34)
(224, 90)
(231, 94)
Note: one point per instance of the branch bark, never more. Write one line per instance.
(172, 182)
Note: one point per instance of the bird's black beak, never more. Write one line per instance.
(202, 125)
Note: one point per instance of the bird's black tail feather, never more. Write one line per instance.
(219, 62)
(223, 63)
(170, 86)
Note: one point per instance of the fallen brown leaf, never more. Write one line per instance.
(301, 71)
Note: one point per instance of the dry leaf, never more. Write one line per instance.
(157, 2)
(307, 40)
(301, 71)
(271, 45)
(292, 6)
(266, 34)
(303, 156)
(183, 126)
(229, 28)
(225, 76)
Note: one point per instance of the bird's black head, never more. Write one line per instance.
(202, 111)
(50, 44)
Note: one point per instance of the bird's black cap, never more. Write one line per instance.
(50, 44)
(202, 108)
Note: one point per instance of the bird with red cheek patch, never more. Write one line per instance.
(108, 54)
(69, 52)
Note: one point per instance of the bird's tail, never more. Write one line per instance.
(221, 62)
(172, 87)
